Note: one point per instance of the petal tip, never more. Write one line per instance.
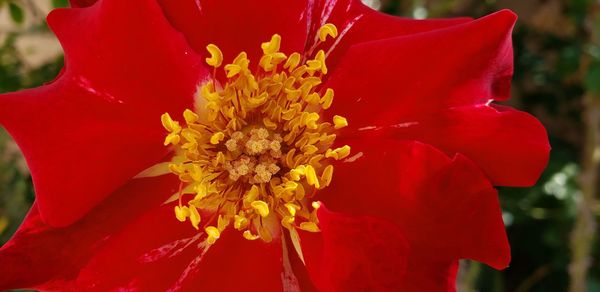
(503, 260)
(504, 19)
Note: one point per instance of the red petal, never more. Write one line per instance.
(133, 241)
(98, 125)
(236, 264)
(430, 276)
(151, 254)
(236, 26)
(44, 257)
(510, 146)
(387, 91)
(355, 253)
(360, 253)
(446, 208)
(358, 23)
(296, 21)
(465, 64)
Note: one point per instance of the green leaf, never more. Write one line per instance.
(592, 78)
(16, 12)
(60, 3)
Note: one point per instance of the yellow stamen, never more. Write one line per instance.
(327, 98)
(261, 207)
(213, 234)
(216, 138)
(173, 127)
(338, 153)
(216, 56)
(190, 116)
(309, 226)
(311, 176)
(339, 122)
(271, 46)
(194, 216)
(256, 153)
(248, 235)
(292, 208)
(327, 30)
(327, 175)
(292, 62)
(316, 205)
(181, 213)
(232, 70)
(318, 63)
(240, 222)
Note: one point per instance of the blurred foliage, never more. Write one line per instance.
(556, 63)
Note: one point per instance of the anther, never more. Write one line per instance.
(339, 122)
(213, 234)
(216, 138)
(309, 226)
(327, 30)
(216, 56)
(271, 46)
(261, 207)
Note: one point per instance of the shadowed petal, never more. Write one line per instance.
(157, 252)
(440, 204)
(132, 241)
(45, 257)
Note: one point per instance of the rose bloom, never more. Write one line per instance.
(304, 145)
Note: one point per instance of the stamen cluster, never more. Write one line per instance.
(254, 151)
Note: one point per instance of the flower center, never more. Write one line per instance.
(255, 151)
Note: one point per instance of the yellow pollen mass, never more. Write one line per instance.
(257, 150)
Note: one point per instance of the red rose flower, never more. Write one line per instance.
(383, 187)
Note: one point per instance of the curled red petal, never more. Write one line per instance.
(98, 125)
(510, 146)
(446, 208)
